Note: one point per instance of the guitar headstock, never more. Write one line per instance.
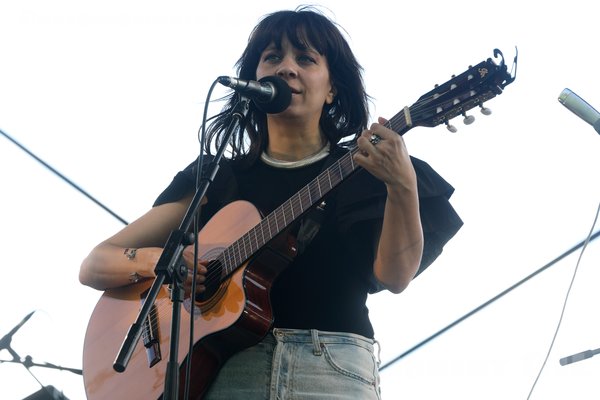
(463, 92)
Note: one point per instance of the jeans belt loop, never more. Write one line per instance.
(316, 343)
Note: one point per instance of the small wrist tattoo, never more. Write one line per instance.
(130, 253)
(134, 277)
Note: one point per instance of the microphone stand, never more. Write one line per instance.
(170, 270)
(28, 361)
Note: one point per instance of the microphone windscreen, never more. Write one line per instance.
(280, 101)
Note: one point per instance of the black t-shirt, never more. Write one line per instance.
(326, 286)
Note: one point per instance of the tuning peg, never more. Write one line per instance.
(469, 119)
(485, 110)
(451, 128)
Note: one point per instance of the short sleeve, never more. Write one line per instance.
(220, 192)
(364, 198)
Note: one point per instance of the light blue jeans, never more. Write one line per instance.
(301, 364)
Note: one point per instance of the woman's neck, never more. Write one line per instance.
(292, 143)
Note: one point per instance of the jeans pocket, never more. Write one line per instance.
(352, 361)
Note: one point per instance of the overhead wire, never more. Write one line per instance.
(64, 178)
(489, 302)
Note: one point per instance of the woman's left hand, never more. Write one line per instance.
(388, 160)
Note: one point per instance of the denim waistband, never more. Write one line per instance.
(316, 337)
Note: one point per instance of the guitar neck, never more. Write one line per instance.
(401, 122)
(311, 194)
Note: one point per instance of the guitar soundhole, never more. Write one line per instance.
(215, 288)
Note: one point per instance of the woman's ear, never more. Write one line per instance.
(331, 95)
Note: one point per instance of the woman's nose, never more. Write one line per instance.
(287, 68)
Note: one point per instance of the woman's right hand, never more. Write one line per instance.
(188, 257)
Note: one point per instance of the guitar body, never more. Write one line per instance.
(235, 315)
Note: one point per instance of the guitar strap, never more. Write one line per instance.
(311, 223)
(309, 227)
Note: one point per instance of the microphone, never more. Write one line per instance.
(578, 357)
(580, 108)
(270, 94)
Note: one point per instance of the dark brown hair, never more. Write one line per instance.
(344, 119)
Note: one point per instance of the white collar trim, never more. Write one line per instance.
(321, 154)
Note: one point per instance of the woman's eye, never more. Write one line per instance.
(306, 59)
(271, 57)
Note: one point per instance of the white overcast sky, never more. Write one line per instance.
(111, 95)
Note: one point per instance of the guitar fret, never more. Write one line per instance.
(337, 175)
(299, 197)
(292, 209)
(245, 246)
(276, 224)
(269, 225)
(251, 241)
(238, 252)
(313, 194)
(270, 235)
(305, 200)
(283, 215)
(319, 186)
(262, 232)
(257, 240)
(231, 261)
(298, 204)
(280, 222)
(222, 260)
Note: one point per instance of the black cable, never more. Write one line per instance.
(64, 178)
(487, 303)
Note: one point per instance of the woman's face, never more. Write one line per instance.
(307, 74)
